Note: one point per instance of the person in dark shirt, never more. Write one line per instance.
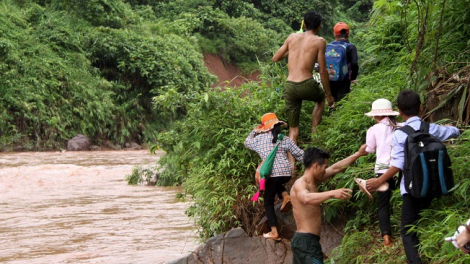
(339, 89)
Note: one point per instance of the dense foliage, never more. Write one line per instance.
(389, 65)
(206, 153)
(133, 70)
(91, 70)
(94, 70)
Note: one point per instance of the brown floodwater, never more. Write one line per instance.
(76, 207)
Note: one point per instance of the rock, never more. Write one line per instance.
(133, 146)
(331, 236)
(108, 145)
(236, 247)
(78, 143)
(95, 148)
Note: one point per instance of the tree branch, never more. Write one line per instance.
(439, 33)
(421, 34)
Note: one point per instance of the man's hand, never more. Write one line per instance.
(373, 184)
(354, 82)
(344, 163)
(343, 194)
(362, 150)
(330, 100)
(462, 239)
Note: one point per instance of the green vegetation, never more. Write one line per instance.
(91, 70)
(133, 70)
(206, 153)
(143, 175)
(95, 69)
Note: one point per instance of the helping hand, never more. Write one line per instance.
(343, 193)
(362, 150)
(462, 239)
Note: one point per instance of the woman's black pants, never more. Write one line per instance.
(274, 185)
(384, 206)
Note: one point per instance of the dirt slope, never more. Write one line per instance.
(227, 73)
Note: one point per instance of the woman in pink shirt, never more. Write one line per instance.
(379, 140)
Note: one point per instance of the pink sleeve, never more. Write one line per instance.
(370, 140)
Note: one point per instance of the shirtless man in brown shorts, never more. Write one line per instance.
(306, 202)
(303, 50)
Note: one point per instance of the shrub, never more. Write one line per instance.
(205, 151)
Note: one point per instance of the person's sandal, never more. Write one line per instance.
(362, 186)
(269, 236)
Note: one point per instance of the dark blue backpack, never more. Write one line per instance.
(337, 63)
(427, 169)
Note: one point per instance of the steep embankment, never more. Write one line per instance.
(227, 73)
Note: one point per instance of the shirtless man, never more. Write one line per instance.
(303, 50)
(306, 202)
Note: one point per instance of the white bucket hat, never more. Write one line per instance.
(382, 107)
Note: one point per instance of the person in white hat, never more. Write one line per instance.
(379, 141)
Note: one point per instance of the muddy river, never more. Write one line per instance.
(76, 207)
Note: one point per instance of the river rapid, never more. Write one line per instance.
(76, 207)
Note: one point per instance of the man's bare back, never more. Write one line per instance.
(302, 50)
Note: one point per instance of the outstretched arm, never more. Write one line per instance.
(344, 163)
(316, 198)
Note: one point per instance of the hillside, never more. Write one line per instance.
(227, 74)
(143, 71)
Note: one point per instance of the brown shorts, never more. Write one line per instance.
(296, 92)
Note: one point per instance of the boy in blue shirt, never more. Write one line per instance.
(409, 106)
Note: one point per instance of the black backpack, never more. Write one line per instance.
(427, 165)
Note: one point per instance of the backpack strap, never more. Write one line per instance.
(424, 128)
(342, 43)
(337, 43)
(407, 129)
